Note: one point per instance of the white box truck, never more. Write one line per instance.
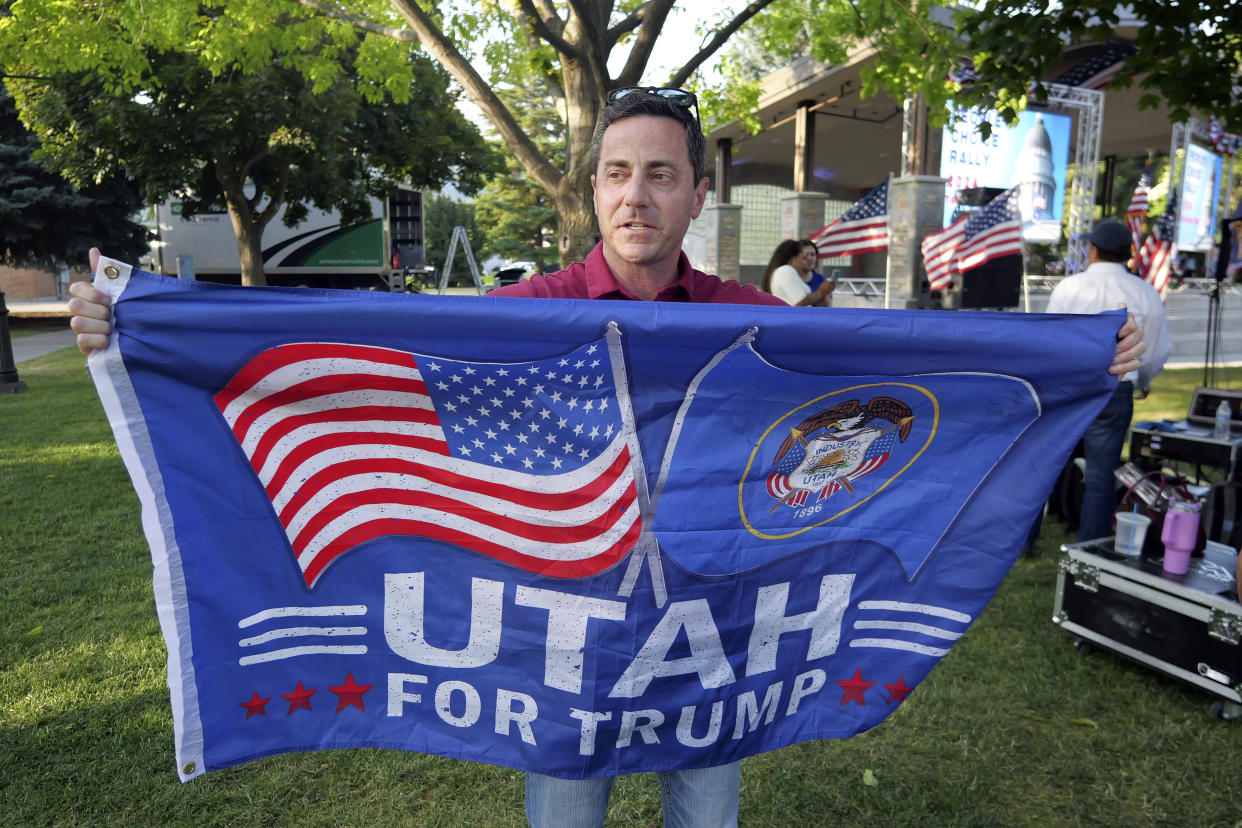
(373, 254)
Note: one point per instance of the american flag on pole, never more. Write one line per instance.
(1139, 205)
(863, 228)
(1224, 143)
(974, 239)
(527, 463)
(1155, 257)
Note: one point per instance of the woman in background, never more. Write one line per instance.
(790, 273)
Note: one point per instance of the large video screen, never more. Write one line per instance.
(1033, 153)
(1196, 222)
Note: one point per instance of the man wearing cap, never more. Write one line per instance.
(1107, 285)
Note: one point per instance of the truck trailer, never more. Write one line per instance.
(374, 254)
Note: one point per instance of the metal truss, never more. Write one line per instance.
(1183, 135)
(1089, 106)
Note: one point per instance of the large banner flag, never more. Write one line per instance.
(578, 538)
(863, 228)
(974, 239)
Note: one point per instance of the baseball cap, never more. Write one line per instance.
(1110, 236)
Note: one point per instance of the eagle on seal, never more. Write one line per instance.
(850, 416)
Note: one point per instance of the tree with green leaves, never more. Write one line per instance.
(301, 128)
(1187, 55)
(44, 219)
(519, 218)
(567, 45)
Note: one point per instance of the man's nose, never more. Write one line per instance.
(636, 191)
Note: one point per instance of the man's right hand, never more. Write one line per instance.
(92, 312)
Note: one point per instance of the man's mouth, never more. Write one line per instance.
(636, 225)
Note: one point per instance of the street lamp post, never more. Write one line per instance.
(9, 381)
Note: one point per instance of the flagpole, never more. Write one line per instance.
(1026, 282)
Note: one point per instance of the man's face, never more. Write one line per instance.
(645, 192)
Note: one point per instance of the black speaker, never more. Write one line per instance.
(978, 196)
(994, 284)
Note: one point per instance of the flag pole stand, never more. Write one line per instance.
(10, 383)
(1026, 285)
(1211, 350)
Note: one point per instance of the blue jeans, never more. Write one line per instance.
(704, 797)
(1102, 444)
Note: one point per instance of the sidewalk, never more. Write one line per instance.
(37, 345)
(39, 309)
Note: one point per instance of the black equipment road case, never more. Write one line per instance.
(1185, 626)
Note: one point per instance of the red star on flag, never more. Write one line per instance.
(300, 697)
(255, 707)
(854, 688)
(897, 692)
(350, 693)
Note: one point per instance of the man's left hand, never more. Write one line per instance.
(1130, 346)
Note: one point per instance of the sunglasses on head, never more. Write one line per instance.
(680, 97)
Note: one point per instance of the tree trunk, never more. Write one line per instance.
(578, 230)
(250, 250)
(248, 223)
(573, 199)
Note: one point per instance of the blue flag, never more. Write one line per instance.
(579, 538)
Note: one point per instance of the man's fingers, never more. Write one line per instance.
(1130, 346)
(92, 333)
(89, 302)
(1125, 358)
(92, 316)
(94, 259)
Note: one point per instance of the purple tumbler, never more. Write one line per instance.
(1180, 532)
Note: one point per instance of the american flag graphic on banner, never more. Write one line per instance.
(1139, 205)
(861, 229)
(527, 463)
(974, 239)
(1155, 257)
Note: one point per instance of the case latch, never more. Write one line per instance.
(1085, 576)
(1224, 626)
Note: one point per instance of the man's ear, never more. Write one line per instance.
(700, 197)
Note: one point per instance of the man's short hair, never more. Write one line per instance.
(641, 103)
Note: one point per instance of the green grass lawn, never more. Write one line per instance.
(1014, 728)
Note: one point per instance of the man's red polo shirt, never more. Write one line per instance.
(593, 280)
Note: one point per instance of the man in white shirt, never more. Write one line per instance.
(1107, 285)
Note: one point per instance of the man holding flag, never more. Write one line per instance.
(649, 184)
(1105, 285)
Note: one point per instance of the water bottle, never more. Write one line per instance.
(1223, 414)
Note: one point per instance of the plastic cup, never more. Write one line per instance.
(1131, 531)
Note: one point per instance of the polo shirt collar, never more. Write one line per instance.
(602, 284)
